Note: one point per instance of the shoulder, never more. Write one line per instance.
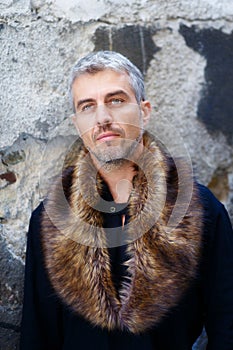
(211, 204)
(37, 211)
(34, 230)
(36, 217)
(66, 180)
(62, 185)
(216, 218)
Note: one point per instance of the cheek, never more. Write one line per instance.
(86, 136)
(133, 123)
(87, 139)
(84, 128)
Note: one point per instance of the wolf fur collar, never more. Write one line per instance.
(161, 263)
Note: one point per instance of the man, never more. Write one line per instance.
(107, 267)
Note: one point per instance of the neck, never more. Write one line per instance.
(119, 180)
(119, 174)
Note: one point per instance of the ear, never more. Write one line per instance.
(146, 111)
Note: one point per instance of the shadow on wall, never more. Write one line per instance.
(133, 41)
(215, 108)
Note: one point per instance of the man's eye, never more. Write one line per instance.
(86, 108)
(116, 101)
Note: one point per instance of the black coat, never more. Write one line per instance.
(48, 324)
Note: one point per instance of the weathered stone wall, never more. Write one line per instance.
(185, 50)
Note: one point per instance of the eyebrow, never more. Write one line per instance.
(117, 92)
(110, 94)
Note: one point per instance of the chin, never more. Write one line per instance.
(114, 164)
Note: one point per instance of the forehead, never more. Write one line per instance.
(95, 85)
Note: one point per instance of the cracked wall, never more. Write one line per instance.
(185, 52)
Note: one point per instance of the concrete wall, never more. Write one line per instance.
(185, 50)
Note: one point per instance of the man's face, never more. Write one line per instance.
(108, 117)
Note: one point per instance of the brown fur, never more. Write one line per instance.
(161, 263)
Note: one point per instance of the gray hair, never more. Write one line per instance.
(101, 60)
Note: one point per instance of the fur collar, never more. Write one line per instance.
(161, 262)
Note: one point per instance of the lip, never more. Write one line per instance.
(107, 136)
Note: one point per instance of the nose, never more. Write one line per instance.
(103, 115)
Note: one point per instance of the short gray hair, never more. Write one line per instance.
(101, 60)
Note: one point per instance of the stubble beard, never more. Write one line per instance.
(111, 157)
